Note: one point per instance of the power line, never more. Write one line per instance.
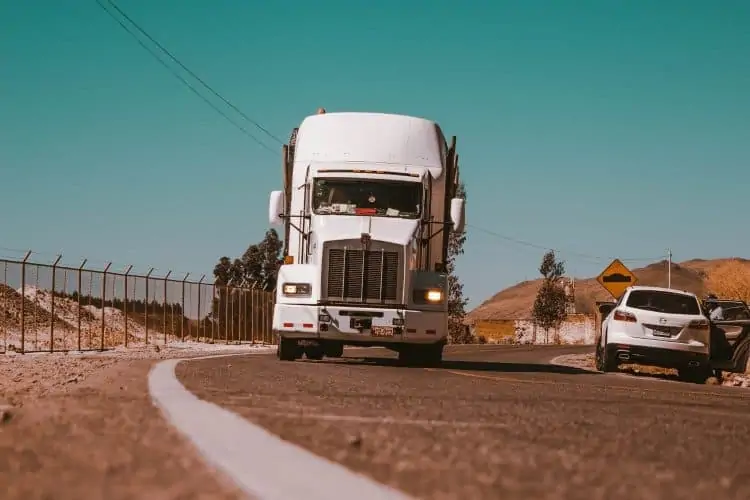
(184, 81)
(561, 251)
(211, 89)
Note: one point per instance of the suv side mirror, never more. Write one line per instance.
(458, 214)
(276, 208)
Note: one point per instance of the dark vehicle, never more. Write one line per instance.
(730, 335)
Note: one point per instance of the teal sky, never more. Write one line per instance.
(602, 128)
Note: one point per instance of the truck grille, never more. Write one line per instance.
(363, 275)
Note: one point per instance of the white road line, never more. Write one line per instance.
(262, 465)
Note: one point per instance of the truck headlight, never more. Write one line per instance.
(296, 289)
(431, 296)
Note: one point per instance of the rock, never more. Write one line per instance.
(355, 441)
(6, 413)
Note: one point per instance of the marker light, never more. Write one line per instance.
(296, 289)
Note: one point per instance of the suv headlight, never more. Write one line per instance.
(429, 296)
(296, 288)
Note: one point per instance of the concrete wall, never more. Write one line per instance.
(576, 329)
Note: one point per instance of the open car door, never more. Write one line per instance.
(730, 337)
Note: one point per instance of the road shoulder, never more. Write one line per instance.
(84, 427)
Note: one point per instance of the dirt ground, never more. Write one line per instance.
(587, 362)
(76, 426)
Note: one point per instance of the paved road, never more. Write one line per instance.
(495, 422)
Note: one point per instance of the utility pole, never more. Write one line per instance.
(669, 268)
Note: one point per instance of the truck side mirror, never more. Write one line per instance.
(276, 208)
(458, 215)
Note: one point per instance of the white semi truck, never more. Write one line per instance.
(367, 208)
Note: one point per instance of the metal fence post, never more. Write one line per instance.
(104, 304)
(164, 306)
(125, 303)
(226, 313)
(148, 277)
(269, 316)
(80, 294)
(5, 297)
(263, 315)
(231, 292)
(243, 315)
(200, 320)
(23, 301)
(52, 307)
(218, 316)
(253, 313)
(182, 312)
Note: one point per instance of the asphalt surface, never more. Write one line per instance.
(495, 422)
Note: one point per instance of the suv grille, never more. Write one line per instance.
(364, 275)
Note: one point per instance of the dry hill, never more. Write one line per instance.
(693, 275)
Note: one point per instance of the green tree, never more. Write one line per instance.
(457, 331)
(257, 268)
(550, 303)
(241, 304)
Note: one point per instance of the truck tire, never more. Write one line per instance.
(314, 352)
(421, 355)
(334, 349)
(288, 350)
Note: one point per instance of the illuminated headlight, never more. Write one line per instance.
(433, 296)
(296, 289)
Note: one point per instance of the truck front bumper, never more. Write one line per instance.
(303, 322)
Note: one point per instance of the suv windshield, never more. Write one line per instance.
(367, 197)
(663, 302)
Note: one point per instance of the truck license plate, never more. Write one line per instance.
(382, 331)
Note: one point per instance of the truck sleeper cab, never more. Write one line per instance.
(365, 238)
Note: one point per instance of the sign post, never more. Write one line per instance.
(616, 278)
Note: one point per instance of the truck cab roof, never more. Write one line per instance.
(387, 140)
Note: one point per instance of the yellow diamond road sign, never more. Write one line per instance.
(616, 278)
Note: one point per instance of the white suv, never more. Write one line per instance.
(659, 327)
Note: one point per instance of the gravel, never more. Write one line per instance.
(586, 362)
(82, 425)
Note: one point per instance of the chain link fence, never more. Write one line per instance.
(48, 307)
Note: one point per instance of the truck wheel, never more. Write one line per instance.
(418, 355)
(334, 349)
(435, 354)
(314, 352)
(288, 350)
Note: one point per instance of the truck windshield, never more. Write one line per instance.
(367, 197)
